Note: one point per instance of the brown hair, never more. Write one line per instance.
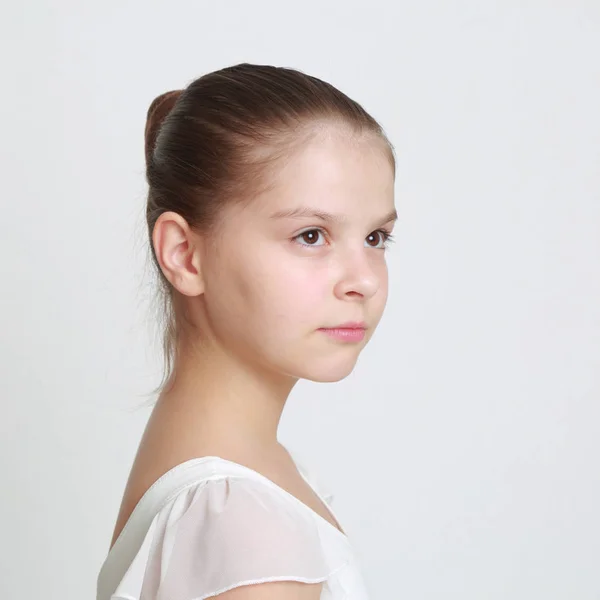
(217, 140)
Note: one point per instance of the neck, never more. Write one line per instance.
(216, 398)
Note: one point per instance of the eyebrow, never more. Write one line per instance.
(315, 213)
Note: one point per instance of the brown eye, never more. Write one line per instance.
(309, 237)
(382, 236)
(378, 237)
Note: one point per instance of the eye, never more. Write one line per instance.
(310, 236)
(385, 238)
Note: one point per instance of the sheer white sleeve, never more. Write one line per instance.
(223, 533)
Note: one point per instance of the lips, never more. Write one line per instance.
(349, 325)
(346, 332)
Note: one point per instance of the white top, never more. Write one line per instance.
(209, 525)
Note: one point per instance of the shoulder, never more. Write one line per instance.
(238, 536)
(235, 517)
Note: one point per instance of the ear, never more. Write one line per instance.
(178, 254)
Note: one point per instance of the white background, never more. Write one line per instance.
(466, 442)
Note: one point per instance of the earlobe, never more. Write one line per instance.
(177, 254)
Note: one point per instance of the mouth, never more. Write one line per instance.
(348, 332)
(349, 325)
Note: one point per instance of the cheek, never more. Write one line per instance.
(383, 292)
(296, 292)
(383, 278)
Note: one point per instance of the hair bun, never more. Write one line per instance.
(161, 106)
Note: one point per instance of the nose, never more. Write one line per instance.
(359, 276)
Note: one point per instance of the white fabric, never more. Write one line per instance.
(209, 525)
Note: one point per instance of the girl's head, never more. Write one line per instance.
(271, 197)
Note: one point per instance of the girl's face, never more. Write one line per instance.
(283, 269)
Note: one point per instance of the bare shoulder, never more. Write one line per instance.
(275, 590)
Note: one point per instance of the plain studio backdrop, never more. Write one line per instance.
(466, 441)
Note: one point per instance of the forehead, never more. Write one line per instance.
(336, 171)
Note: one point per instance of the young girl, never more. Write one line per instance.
(270, 206)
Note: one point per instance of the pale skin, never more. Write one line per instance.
(259, 292)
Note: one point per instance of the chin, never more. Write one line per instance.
(327, 371)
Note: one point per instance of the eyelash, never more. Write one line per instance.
(388, 238)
